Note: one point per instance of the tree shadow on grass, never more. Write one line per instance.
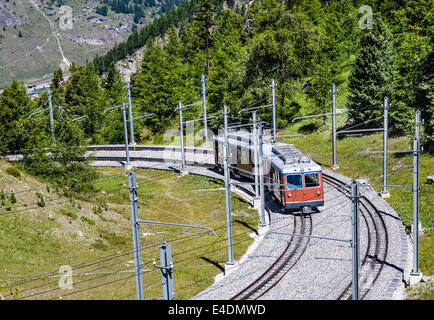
(308, 128)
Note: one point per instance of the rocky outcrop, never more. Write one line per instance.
(130, 64)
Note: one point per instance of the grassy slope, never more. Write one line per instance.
(37, 240)
(20, 54)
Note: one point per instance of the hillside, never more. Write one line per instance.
(303, 45)
(43, 229)
(92, 234)
(34, 40)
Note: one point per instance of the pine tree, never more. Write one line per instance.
(285, 45)
(70, 169)
(160, 84)
(57, 89)
(113, 85)
(424, 98)
(57, 79)
(84, 96)
(112, 130)
(15, 107)
(227, 57)
(203, 21)
(65, 165)
(372, 76)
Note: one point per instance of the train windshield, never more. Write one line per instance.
(311, 180)
(293, 181)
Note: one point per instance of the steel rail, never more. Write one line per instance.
(379, 255)
(286, 261)
(376, 251)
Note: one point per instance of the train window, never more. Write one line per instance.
(311, 180)
(244, 159)
(293, 181)
(239, 155)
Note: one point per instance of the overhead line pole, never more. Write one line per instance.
(255, 154)
(50, 105)
(127, 151)
(181, 136)
(335, 161)
(166, 267)
(261, 177)
(124, 119)
(415, 273)
(130, 110)
(355, 239)
(136, 235)
(205, 124)
(273, 99)
(227, 190)
(385, 193)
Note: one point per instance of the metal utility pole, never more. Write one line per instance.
(130, 110)
(385, 193)
(255, 154)
(166, 268)
(205, 124)
(50, 105)
(181, 137)
(127, 151)
(416, 165)
(261, 176)
(227, 190)
(355, 239)
(136, 234)
(335, 164)
(273, 99)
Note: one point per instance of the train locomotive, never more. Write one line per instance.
(294, 179)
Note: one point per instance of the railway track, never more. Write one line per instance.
(285, 262)
(376, 251)
(371, 264)
(151, 159)
(373, 258)
(154, 154)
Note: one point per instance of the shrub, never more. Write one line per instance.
(13, 198)
(68, 212)
(97, 210)
(86, 219)
(41, 201)
(13, 172)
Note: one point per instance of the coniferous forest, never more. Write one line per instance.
(372, 48)
(303, 45)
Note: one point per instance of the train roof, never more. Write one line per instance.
(285, 157)
(291, 160)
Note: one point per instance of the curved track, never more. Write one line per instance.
(373, 258)
(376, 251)
(292, 253)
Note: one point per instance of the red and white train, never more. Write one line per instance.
(294, 178)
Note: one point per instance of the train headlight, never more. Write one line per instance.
(318, 193)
